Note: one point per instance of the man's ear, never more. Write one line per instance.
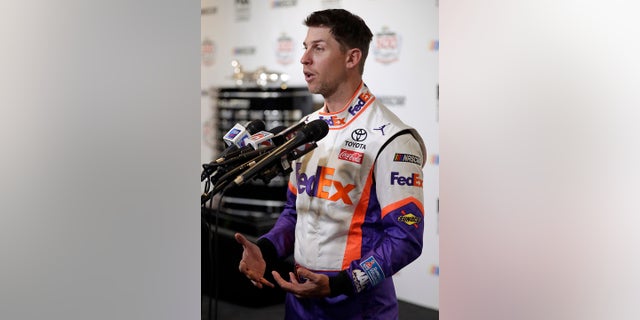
(353, 58)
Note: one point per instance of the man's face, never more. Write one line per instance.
(323, 63)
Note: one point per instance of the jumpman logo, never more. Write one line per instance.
(381, 128)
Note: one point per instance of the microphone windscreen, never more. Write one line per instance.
(255, 126)
(315, 130)
(277, 138)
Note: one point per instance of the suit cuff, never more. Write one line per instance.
(340, 284)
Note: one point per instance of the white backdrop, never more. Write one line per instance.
(401, 70)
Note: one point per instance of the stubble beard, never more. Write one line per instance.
(324, 89)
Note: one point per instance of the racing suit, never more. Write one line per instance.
(354, 211)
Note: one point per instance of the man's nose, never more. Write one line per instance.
(305, 59)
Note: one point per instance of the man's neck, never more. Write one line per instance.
(342, 96)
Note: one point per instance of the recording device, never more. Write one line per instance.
(234, 139)
(299, 139)
(235, 162)
(260, 140)
(280, 158)
(256, 145)
(235, 156)
(238, 133)
(264, 138)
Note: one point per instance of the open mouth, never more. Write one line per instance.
(308, 76)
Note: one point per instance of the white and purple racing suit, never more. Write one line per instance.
(354, 211)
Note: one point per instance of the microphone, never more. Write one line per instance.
(310, 132)
(236, 136)
(234, 139)
(261, 139)
(256, 145)
(245, 158)
(265, 138)
(284, 166)
(280, 135)
(259, 144)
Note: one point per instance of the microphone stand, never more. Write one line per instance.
(224, 181)
(213, 255)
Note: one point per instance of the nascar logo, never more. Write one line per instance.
(405, 157)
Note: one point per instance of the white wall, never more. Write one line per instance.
(403, 73)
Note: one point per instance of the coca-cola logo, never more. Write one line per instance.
(352, 156)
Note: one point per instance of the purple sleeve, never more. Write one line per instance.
(399, 195)
(282, 235)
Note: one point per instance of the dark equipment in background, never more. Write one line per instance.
(253, 207)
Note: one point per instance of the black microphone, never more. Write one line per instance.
(258, 144)
(255, 142)
(234, 138)
(284, 167)
(310, 132)
(242, 159)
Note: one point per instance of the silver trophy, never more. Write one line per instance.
(262, 77)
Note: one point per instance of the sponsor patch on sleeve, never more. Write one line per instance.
(360, 280)
(409, 218)
(373, 270)
(406, 157)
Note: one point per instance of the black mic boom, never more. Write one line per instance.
(275, 139)
(249, 129)
(310, 132)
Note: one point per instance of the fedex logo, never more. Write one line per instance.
(362, 100)
(413, 181)
(333, 120)
(321, 183)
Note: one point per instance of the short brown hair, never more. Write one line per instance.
(347, 28)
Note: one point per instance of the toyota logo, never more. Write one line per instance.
(359, 135)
